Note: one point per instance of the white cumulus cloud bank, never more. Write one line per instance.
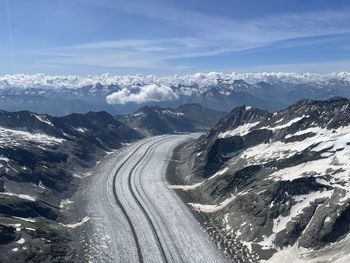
(142, 94)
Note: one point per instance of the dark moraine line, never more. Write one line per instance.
(138, 247)
(138, 202)
(148, 201)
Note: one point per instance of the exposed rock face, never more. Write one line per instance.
(277, 180)
(8, 234)
(154, 120)
(217, 149)
(40, 156)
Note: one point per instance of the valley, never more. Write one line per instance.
(135, 216)
(145, 187)
(163, 131)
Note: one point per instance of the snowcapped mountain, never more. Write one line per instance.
(154, 120)
(41, 158)
(24, 81)
(61, 95)
(275, 186)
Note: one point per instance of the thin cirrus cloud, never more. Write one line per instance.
(211, 35)
(333, 66)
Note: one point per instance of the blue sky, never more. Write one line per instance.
(166, 36)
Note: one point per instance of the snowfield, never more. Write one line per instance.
(21, 196)
(43, 119)
(16, 137)
(239, 131)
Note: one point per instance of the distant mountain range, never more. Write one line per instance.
(61, 95)
(154, 120)
(276, 183)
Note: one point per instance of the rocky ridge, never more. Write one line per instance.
(41, 160)
(154, 120)
(278, 182)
